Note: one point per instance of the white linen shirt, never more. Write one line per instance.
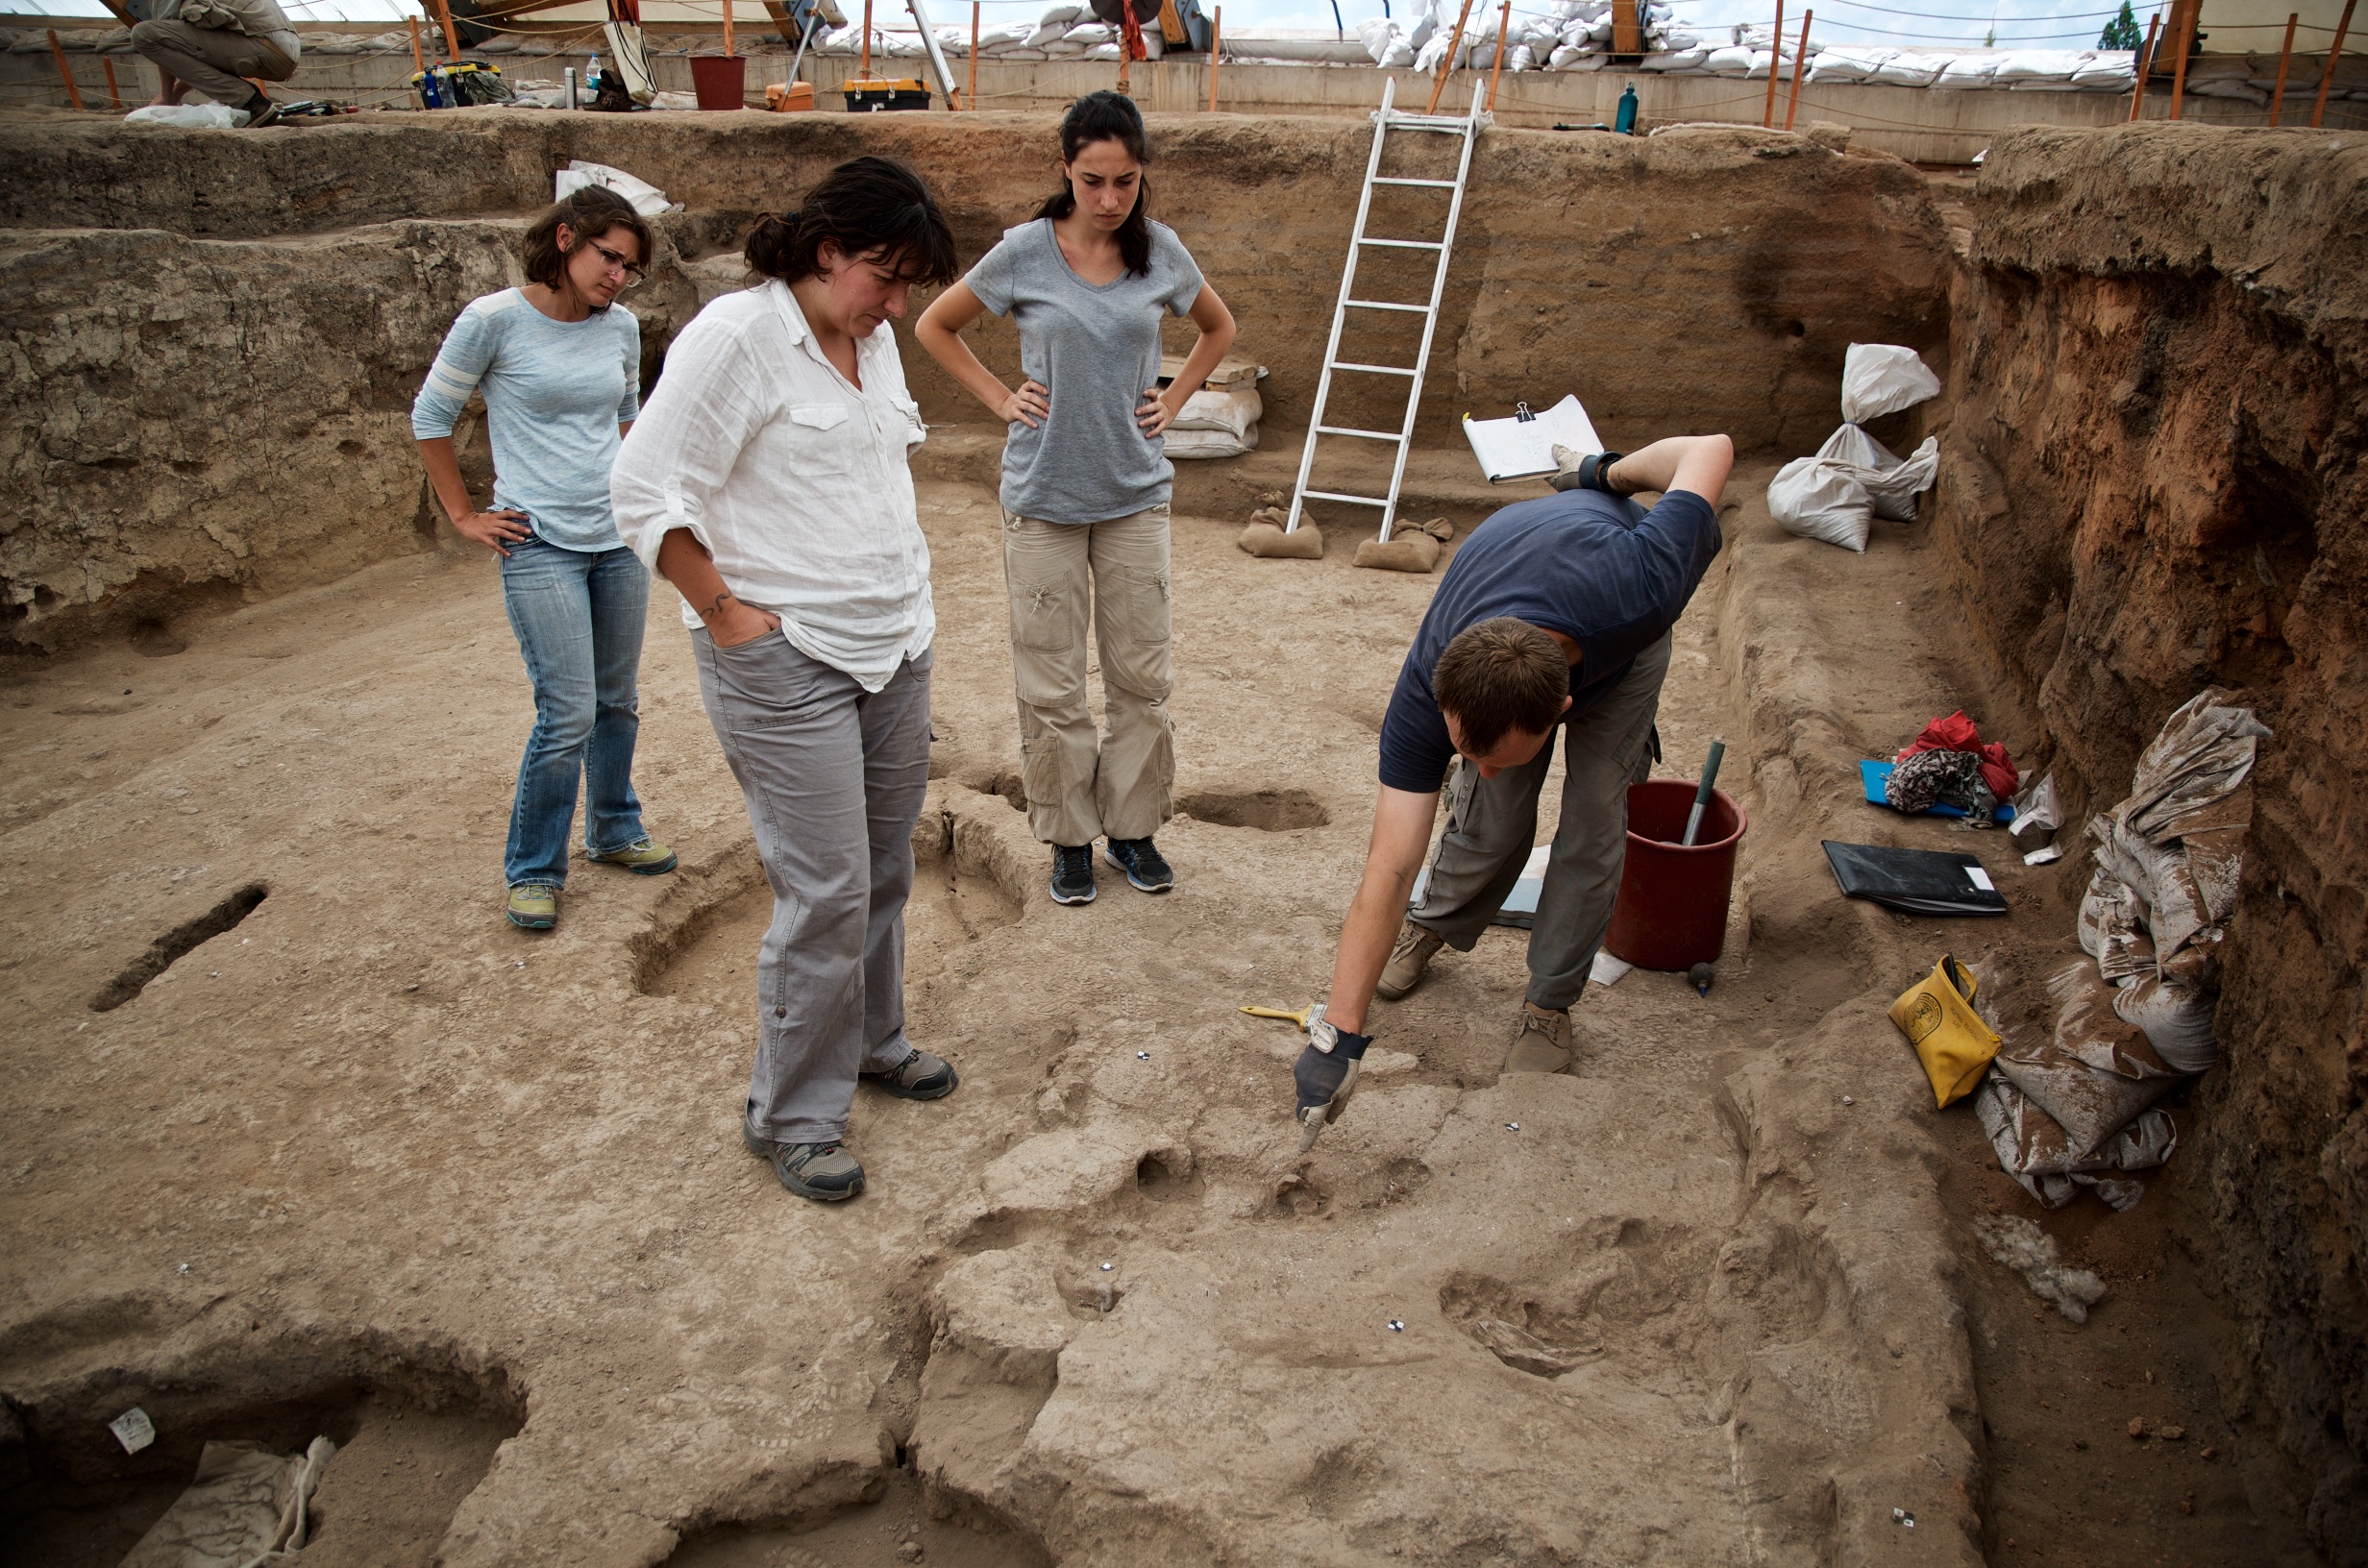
(794, 479)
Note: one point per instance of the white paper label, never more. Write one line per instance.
(132, 1430)
(1980, 878)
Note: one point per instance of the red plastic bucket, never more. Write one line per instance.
(1672, 913)
(721, 81)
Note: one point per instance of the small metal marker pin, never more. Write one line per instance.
(1512, 1126)
(1108, 1267)
(185, 1268)
(1142, 1056)
(1847, 1100)
(1903, 1518)
(1397, 1326)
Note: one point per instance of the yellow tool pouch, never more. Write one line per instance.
(1936, 1016)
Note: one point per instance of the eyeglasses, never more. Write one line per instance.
(634, 275)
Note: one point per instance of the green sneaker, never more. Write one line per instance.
(824, 1172)
(534, 906)
(643, 857)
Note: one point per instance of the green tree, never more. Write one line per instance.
(2121, 33)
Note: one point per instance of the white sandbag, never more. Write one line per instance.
(2036, 66)
(1763, 61)
(1677, 60)
(2115, 70)
(1848, 64)
(1101, 50)
(1400, 55)
(1380, 35)
(1891, 483)
(1088, 34)
(1904, 70)
(189, 116)
(648, 200)
(1521, 60)
(1062, 17)
(1879, 379)
(1818, 499)
(1431, 54)
(1967, 71)
(1005, 35)
(2177, 1018)
(1198, 444)
(1049, 30)
(1233, 410)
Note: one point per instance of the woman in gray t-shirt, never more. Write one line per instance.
(1085, 486)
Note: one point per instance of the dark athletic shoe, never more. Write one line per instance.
(824, 1172)
(262, 111)
(1142, 863)
(1073, 874)
(920, 1076)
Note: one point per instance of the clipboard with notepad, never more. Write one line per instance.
(1522, 447)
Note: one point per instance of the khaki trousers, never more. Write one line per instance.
(213, 60)
(1081, 786)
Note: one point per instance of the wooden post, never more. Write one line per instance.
(1504, 25)
(114, 93)
(970, 98)
(2183, 42)
(1446, 61)
(74, 94)
(728, 50)
(1217, 49)
(419, 57)
(1775, 66)
(2327, 77)
(865, 69)
(1800, 63)
(1126, 56)
(1627, 27)
(2286, 63)
(2145, 64)
(451, 35)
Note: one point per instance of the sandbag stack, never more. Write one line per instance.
(1836, 495)
(2134, 1022)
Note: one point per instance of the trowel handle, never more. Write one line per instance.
(1702, 794)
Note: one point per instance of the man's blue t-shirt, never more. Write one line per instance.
(1590, 566)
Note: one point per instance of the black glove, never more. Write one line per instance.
(1325, 1075)
(1318, 1075)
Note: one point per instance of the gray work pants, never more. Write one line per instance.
(1081, 786)
(834, 778)
(213, 60)
(1492, 823)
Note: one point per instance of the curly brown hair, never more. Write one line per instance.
(591, 213)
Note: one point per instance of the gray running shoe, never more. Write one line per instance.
(824, 1172)
(1407, 959)
(1538, 1042)
(920, 1076)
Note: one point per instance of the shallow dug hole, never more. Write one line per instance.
(869, 1537)
(716, 960)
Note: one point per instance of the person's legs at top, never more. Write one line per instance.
(212, 61)
(894, 723)
(1134, 780)
(1607, 751)
(617, 589)
(792, 730)
(1490, 824)
(545, 591)
(1046, 567)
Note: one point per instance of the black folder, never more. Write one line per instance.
(1916, 881)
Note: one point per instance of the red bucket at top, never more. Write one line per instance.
(720, 81)
(1672, 913)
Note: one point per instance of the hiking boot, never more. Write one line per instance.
(920, 1076)
(1538, 1043)
(824, 1172)
(643, 857)
(1073, 874)
(534, 906)
(1145, 867)
(1404, 971)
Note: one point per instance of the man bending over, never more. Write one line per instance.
(1556, 612)
(213, 46)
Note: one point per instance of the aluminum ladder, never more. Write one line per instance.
(1386, 119)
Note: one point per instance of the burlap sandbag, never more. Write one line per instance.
(1305, 543)
(1413, 552)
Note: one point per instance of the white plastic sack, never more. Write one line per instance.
(2177, 1018)
(1089, 33)
(1879, 379)
(1196, 444)
(1967, 71)
(1732, 61)
(190, 116)
(1678, 60)
(1521, 60)
(2036, 66)
(648, 200)
(1233, 410)
(1380, 36)
(1848, 64)
(1908, 71)
(1818, 499)
(2113, 70)
(1891, 483)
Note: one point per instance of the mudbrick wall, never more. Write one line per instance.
(213, 341)
(2153, 481)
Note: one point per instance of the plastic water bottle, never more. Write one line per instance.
(592, 75)
(1624, 123)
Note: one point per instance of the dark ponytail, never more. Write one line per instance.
(870, 207)
(1108, 116)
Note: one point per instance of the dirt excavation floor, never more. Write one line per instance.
(367, 1161)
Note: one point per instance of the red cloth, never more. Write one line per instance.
(1957, 733)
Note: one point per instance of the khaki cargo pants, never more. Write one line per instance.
(1080, 785)
(213, 60)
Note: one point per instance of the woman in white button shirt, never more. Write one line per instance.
(766, 481)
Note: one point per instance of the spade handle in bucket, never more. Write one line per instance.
(1702, 796)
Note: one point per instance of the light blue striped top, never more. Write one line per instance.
(556, 392)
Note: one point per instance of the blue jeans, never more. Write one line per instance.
(579, 617)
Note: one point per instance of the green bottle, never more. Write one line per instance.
(1624, 122)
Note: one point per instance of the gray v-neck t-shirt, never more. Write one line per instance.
(1096, 350)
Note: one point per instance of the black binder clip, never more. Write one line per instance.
(1522, 413)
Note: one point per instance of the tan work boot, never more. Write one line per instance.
(1538, 1043)
(1407, 959)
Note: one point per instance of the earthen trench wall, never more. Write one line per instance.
(2155, 340)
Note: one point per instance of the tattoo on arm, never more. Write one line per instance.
(717, 608)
